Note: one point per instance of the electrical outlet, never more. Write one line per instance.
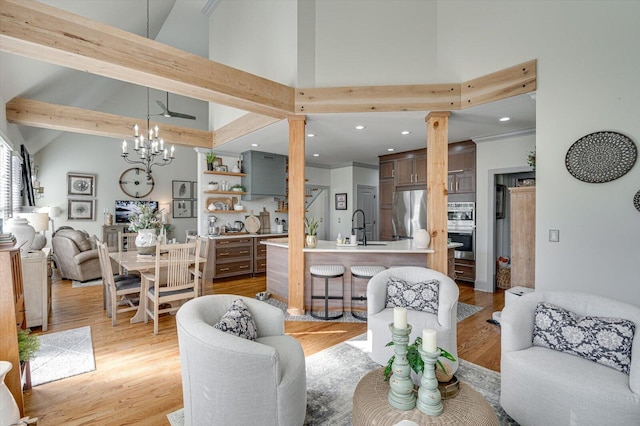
(554, 235)
(339, 220)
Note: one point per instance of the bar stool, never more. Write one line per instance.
(364, 272)
(327, 272)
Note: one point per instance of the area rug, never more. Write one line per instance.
(63, 354)
(464, 310)
(333, 374)
(90, 283)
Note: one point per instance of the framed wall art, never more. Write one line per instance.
(81, 209)
(81, 184)
(341, 201)
(501, 198)
(182, 209)
(181, 190)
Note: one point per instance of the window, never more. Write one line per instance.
(10, 181)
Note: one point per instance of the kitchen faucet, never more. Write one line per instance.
(363, 228)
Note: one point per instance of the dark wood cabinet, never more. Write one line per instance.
(411, 170)
(259, 255)
(387, 169)
(462, 168)
(385, 227)
(465, 270)
(229, 257)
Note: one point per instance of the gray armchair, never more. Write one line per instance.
(543, 386)
(229, 380)
(379, 316)
(74, 256)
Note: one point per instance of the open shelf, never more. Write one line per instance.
(211, 172)
(225, 211)
(226, 192)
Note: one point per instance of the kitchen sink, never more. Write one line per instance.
(376, 244)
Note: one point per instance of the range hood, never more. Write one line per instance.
(266, 175)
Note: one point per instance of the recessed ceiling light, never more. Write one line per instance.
(505, 118)
(405, 132)
(359, 127)
(311, 135)
(255, 144)
(316, 155)
(390, 149)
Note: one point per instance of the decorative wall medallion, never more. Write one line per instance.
(636, 201)
(601, 157)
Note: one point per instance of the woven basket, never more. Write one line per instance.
(503, 277)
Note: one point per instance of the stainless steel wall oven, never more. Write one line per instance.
(461, 223)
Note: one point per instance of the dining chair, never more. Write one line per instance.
(126, 242)
(170, 281)
(204, 253)
(126, 290)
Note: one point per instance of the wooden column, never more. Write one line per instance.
(296, 214)
(437, 195)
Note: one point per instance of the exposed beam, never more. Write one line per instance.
(28, 112)
(502, 84)
(512, 81)
(415, 97)
(42, 32)
(244, 125)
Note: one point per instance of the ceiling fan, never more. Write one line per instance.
(166, 112)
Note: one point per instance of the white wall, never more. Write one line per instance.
(588, 63)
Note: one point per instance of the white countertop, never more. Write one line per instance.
(245, 235)
(405, 246)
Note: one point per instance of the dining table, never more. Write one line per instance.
(134, 262)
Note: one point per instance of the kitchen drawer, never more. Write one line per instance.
(233, 242)
(231, 268)
(260, 265)
(233, 252)
(465, 270)
(260, 250)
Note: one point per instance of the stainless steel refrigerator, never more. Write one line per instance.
(409, 213)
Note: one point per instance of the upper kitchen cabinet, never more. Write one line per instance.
(265, 175)
(462, 168)
(411, 170)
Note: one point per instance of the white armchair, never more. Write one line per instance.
(229, 380)
(542, 386)
(379, 316)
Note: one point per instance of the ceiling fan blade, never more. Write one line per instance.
(164, 108)
(181, 115)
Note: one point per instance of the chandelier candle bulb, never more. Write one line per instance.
(165, 154)
(172, 149)
(155, 131)
(400, 318)
(124, 147)
(136, 130)
(429, 343)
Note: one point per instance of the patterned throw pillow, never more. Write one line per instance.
(606, 341)
(238, 321)
(422, 296)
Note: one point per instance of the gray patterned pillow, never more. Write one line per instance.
(604, 340)
(422, 296)
(238, 321)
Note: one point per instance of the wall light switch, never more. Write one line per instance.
(339, 221)
(554, 235)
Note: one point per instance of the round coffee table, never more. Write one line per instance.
(371, 407)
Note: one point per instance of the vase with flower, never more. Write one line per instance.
(146, 224)
(311, 232)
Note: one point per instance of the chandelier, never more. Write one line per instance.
(151, 151)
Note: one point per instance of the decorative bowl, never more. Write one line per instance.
(238, 207)
(236, 189)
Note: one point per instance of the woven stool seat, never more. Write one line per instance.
(364, 272)
(327, 272)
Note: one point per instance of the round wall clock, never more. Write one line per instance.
(601, 157)
(134, 183)
(636, 200)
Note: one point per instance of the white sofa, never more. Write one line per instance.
(229, 380)
(379, 316)
(542, 386)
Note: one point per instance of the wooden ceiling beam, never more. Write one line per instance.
(242, 126)
(42, 32)
(32, 113)
(503, 84)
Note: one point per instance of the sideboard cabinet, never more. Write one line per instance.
(37, 287)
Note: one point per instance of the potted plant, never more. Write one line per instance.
(531, 160)
(238, 188)
(443, 372)
(147, 225)
(311, 231)
(212, 186)
(211, 157)
(28, 344)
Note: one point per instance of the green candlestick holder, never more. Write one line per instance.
(401, 386)
(429, 398)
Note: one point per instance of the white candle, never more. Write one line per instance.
(136, 130)
(124, 147)
(137, 147)
(400, 318)
(161, 144)
(156, 131)
(429, 340)
(165, 154)
(172, 149)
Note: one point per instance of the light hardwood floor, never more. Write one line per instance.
(137, 377)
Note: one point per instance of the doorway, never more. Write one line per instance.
(367, 201)
(317, 205)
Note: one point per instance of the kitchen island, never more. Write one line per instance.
(387, 253)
